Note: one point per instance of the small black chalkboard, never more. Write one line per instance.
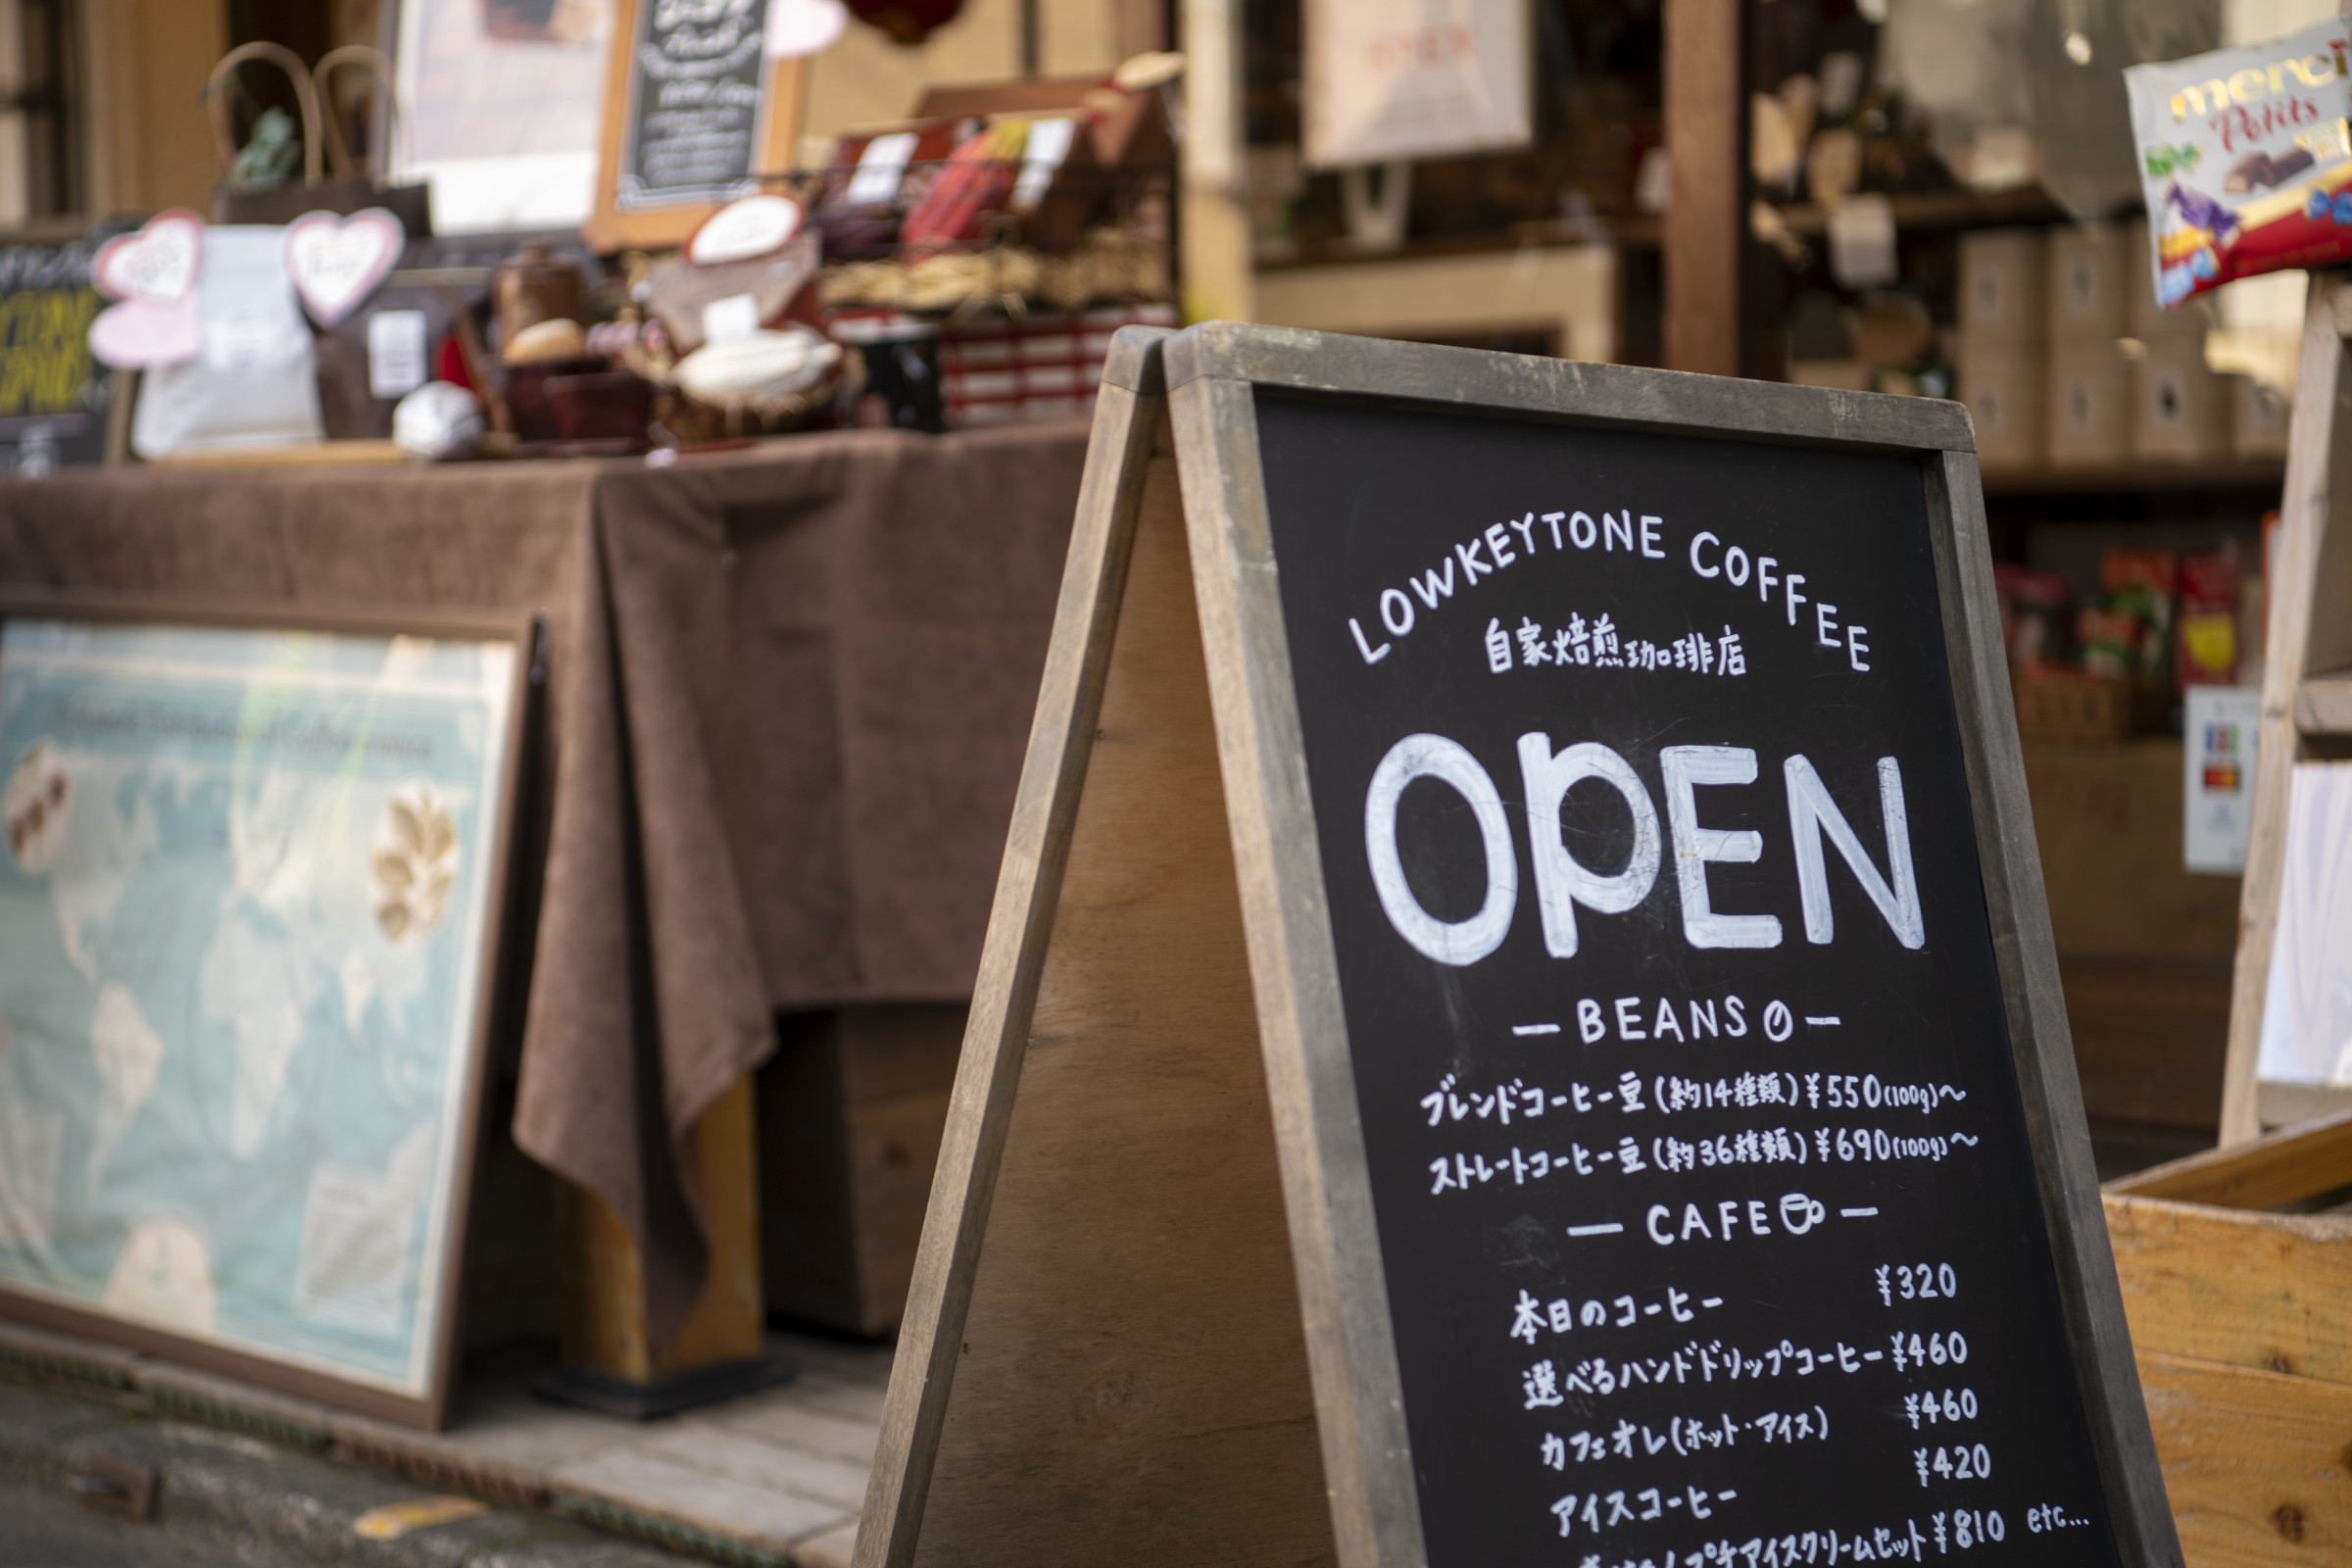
(1680, 1156)
(54, 397)
(696, 97)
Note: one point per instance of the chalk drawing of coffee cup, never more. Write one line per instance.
(39, 807)
(1800, 1213)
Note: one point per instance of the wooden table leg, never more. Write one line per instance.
(609, 1360)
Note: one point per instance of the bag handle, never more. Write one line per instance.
(321, 85)
(286, 60)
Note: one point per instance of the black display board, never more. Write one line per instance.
(1705, 1197)
(1600, 789)
(697, 83)
(54, 395)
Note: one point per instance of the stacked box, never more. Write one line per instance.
(2178, 411)
(2003, 340)
(2004, 288)
(2089, 404)
(2259, 418)
(2004, 393)
(2090, 280)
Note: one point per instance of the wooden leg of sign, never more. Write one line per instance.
(609, 1360)
(2310, 633)
(1128, 1381)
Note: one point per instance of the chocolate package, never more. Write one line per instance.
(2246, 159)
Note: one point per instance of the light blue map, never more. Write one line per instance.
(241, 955)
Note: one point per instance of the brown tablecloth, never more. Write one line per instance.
(788, 692)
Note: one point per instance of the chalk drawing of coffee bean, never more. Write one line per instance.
(414, 864)
(39, 808)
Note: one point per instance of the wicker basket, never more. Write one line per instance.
(2069, 704)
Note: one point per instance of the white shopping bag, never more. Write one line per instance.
(254, 381)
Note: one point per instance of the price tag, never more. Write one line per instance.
(396, 358)
(731, 319)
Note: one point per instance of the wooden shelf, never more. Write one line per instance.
(2267, 475)
(1945, 208)
(2324, 705)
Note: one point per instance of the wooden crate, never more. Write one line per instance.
(2241, 1320)
(851, 1111)
(2067, 705)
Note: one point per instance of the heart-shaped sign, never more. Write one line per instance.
(158, 264)
(337, 261)
(742, 229)
(141, 334)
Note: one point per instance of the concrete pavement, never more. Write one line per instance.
(216, 1498)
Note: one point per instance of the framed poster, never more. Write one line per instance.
(697, 108)
(249, 916)
(1415, 79)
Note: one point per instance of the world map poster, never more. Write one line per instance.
(242, 913)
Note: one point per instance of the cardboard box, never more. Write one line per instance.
(2258, 419)
(2004, 287)
(2178, 411)
(2005, 393)
(2087, 276)
(2089, 406)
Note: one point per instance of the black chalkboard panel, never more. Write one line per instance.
(1706, 1208)
(697, 83)
(53, 396)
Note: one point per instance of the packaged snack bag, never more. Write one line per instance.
(2032, 615)
(2246, 159)
(2208, 626)
(2110, 642)
(2138, 586)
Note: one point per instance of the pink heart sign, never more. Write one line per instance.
(337, 261)
(156, 265)
(140, 335)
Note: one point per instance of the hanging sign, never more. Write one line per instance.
(1520, 1024)
(1407, 78)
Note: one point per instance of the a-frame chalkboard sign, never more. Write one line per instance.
(1519, 1025)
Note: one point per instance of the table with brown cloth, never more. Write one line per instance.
(788, 691)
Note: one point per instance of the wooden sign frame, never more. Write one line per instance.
(1118, 1347)
(611, 227)
(426, 1403)
(2306, 707)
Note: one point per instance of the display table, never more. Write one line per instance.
(786, 696)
